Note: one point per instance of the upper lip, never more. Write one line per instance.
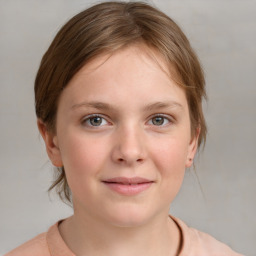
(125, 180)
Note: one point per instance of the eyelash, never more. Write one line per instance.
(165, 117)
(90, 117)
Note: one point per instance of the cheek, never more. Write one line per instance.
(83, 159)
(82, 156)
(170, 159)
(171, 155)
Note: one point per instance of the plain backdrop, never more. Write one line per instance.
(220, 200)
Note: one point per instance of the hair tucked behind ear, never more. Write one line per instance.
(61, 185)
(105, 28)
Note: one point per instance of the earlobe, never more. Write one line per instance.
(51, 144)
(192, 148)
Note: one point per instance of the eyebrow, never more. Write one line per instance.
(162, 105)
(149, 107)
(93, 104)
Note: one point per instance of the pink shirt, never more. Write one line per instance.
(195, 243)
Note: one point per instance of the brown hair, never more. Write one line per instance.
(105, 28)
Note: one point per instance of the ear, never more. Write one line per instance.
(192, 148)
(51, 144)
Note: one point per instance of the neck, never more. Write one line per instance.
(90, 236)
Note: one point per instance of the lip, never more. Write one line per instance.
(128, 186)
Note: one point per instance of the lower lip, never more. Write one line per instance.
(128, 190)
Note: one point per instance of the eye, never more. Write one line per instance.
(159, 120)
(95, 120)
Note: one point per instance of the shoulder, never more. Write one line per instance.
(34, 247)
(49, 243)
(207, 245)
(197, 243)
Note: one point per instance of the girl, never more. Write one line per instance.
(119, 104)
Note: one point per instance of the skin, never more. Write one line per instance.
(143, 129)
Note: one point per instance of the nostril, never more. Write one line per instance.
(121, 160)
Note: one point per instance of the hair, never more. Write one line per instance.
(106, 28)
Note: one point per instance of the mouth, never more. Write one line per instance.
(128, 186)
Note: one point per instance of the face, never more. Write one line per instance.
(123, 137)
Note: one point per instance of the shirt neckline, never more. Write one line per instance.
(57, 246)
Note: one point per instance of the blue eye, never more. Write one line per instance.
(159, 120)
(95, 121)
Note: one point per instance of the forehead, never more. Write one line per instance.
(136, 71)
(139, 50)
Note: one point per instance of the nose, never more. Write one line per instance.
(129, 146)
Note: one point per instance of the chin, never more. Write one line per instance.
(129, 217)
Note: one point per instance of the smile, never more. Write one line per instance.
(128, 186)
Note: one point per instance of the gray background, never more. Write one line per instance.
(223, 34)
